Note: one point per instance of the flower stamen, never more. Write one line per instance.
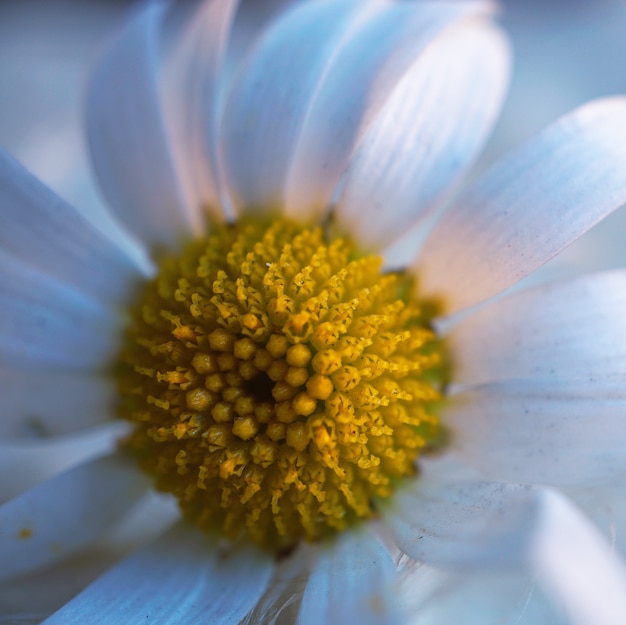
(280, 386)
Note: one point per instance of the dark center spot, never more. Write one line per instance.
(260, 387)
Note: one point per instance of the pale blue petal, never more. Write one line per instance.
(40, 229)
(463, 525)
(128, 137)
(192, 97)
(440, 597)
(182, 578)
(269, 102)
(253, 17)
(29, 600)
(365, 71)
(29, 462)
(562, 433)
(434, 124)
(43, 322)
(66, 513)
(563, 330)
(470, 526)
(528, 207)
(362, 77)
(576, 565)
(41, 403)
(351, 583)
(606, 506)
(281, 601)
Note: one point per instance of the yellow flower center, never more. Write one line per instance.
(280, 385)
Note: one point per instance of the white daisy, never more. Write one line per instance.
(279, 384)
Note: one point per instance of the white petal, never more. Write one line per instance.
(281, 601)
(430, 131)
(473, 525)
(52, 402)
(30, 599)
(437, 596)
(528, 207)
(565, 330)
(351, 583)
(191, 93)
(466, 525)
(253, 17)
(182, 578)
(574, 563)
(563, 433)
(40, 229)
(268, 105)
(128, 138)
(371, 70)
(30, 462)
(155, 514)
(605, 504)
(44, 322)
(66, 513)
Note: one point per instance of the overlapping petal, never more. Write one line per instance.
(181, 578)
(44, 322)
(43, 403)
(480, 524)
(66, 513)
(30, 461)
(563, 433)
(45, 232)
(528, 207)
(352, 581)
(128, 138)
(192, 96)
(270, 100)
(429, 132)
(562, 330)
(364, 87)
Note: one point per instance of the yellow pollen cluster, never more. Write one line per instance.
(279, 385)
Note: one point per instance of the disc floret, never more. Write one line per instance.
(280, 386)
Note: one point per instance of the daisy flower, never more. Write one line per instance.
(345, 440)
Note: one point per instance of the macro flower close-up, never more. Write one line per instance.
(297, 376)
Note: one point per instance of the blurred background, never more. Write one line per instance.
(566, 52)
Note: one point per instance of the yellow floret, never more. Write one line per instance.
(279, 385)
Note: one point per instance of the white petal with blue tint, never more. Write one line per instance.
(269, 103)
(181, 578)
(436, 596)
(573, 329)
(192, 98)
(463, 525)
(429, 132)
(45, 323)
(252, 19)
(576, 565)
(42, 230)
(351, 583)
(281, 601)
(363, 76)
(52, 402)
(563, 433)
(66, 513)
(528, 207)
(479, 525)
(128, 138)
(31, 461)
(28, 600)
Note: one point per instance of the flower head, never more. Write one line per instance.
(282, 381)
